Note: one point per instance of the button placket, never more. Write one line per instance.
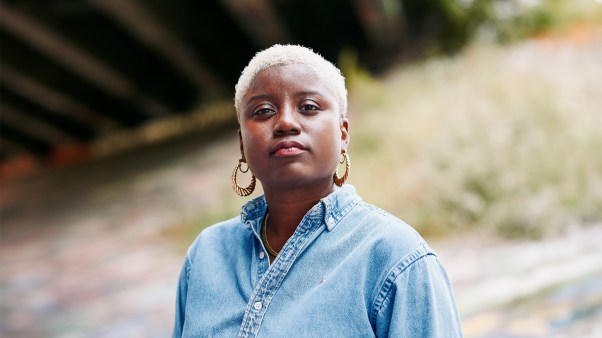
(271, 278)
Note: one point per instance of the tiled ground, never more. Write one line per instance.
(551, 288)
(84, 250)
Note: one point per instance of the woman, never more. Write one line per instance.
(308, 258)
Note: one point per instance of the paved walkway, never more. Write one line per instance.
(86, 251)
(551, 288)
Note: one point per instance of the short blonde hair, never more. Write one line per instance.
(281, 55)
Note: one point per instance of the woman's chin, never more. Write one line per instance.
(295, 181)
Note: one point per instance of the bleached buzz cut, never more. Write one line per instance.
(281, 55)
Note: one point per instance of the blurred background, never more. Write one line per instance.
(478, 122)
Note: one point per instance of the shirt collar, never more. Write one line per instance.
(253, 212)
(338, 204)
(333, 207)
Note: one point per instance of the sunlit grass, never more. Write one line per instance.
(505, 139)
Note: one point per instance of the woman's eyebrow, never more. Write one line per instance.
(269, 97)
(259, 97)
(309, 92)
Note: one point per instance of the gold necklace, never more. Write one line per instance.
(264, 238)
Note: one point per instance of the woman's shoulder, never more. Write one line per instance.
(383, 220)
(386, 243)
(228, 231)
(388, 233)
(223, 228)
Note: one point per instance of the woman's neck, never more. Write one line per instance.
(287, 208)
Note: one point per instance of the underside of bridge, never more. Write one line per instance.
(75, 73)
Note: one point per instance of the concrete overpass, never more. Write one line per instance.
(79, 78)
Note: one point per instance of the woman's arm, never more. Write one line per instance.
(417, 301)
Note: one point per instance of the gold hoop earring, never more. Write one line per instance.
(240, 191)
(341, 180)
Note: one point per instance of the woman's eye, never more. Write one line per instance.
(262, 111)
(309, 107)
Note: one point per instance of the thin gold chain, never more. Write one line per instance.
(264, 237)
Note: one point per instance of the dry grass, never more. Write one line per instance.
(506, 139)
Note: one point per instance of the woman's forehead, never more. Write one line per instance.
(278, 56)
(293, 74)
(297, 78)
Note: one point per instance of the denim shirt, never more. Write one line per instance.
(349, 270)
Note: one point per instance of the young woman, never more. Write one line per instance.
(308, 258)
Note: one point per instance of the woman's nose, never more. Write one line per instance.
(287, 122)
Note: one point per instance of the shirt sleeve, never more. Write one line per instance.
(181, 300)
(418, 302)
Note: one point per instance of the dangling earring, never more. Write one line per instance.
(240, 191)
(341, 180)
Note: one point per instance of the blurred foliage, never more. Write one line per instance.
(434, 26)
(501, 139)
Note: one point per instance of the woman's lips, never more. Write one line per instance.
(288, 148)
(288, 151)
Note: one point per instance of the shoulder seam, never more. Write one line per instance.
(188, 264)
(398, 269)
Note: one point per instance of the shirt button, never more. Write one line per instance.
(261, 255)
(330, 222)
(257, 306)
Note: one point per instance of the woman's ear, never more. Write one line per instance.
(242, 149)
(344, 133)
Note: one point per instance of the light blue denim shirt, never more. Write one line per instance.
(349, 270)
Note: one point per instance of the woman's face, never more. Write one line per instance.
(291, 131)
